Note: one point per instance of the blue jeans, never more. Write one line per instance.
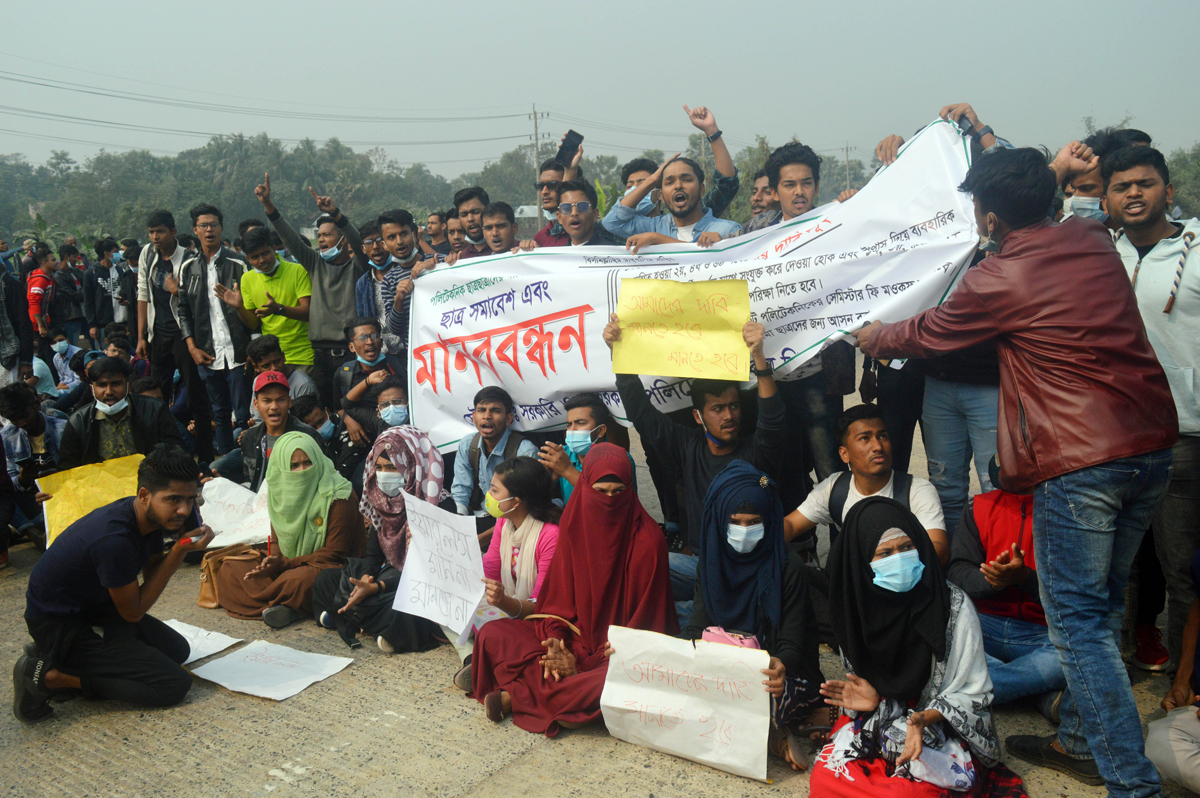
(683, 584)
(958, 419)
(227, 391)
(230, 465)
(1020, 657)
(814, 412)
(1087, 527)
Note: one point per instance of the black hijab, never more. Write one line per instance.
(889, 638)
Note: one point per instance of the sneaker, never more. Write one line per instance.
(384, 645)
(280, 616)
(31, 699)
(1041, 751)
(326, 620)
(462, 679)
(1150, 654)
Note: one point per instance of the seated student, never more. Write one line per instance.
(315, 525)
(89, 578)
(358, 597)
(752, 585)
(39, 377)
(866, 448)
(992, 560)
(588, 423)
(913, 715)
(31, 443)
(349, 453)
(1173, 742)
(521, 499)
(370, 366)
(63, 352)
(115, 424)
(149, 387)
(699, 454)
(610, 568)
(479, 454)
(120, 348)
(80, 392)
(273, 401)
(265, 354)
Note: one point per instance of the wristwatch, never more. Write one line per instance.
(983, 131)
(764, 372)
(715, 136)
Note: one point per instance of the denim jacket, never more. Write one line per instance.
(625, 221)
(17, 448)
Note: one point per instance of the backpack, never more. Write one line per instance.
(510, 451)
(901, 488)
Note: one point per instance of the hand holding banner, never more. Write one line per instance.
(442, 578)
(678, 329)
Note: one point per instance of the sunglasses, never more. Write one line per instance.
(551, 184)
(566, 207)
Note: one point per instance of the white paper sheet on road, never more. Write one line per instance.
(236, 514)
(270, 671)
(704, 702)
(203, 642)
(532, 323)
(442, 578)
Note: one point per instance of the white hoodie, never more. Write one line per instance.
(1175, 336)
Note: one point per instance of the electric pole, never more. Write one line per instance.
(847, 166)
(537, 200)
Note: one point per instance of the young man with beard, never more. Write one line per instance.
(435, 225)
(468, 207)
(279, 293)
(681, 181)
(334, 269)
(89, 578)
(159, 338)
(214, 323)
(1163, 261)
(762, 196)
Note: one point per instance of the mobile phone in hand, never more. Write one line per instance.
(568, 149)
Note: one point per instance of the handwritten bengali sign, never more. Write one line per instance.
(443, 572)
(679, 329)
(236, 514)
(79, 491)
(703, 701)
(532, 323)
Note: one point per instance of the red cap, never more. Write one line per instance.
(270, 378)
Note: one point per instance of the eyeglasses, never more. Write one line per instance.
(394, 403)
(365, 337)
(208, 225)
(370, 242)
(566, 207)
(551, 184)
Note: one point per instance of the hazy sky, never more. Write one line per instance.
(616, 71)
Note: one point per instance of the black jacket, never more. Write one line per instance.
(97, 299)
(152, 424)
(254, 460)
(16, 305)
(195, 294)
(351, 374)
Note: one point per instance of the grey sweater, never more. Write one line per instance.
(332, 302)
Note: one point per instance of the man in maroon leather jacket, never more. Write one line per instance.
(1086, 424)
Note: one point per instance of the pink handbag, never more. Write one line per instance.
(715, 634)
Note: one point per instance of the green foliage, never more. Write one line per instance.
(1185, 175)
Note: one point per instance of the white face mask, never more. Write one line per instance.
(1086, 207)
(743, 539)
(390, 482)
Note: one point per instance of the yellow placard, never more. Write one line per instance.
(675, 329)
(79, 491)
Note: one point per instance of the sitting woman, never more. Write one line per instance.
(913, 716)
(315, 524)
(521, 498)
(752, 591)
(358, 598)
(610, 568)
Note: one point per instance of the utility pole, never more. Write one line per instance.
(847, 166)
(537, 201)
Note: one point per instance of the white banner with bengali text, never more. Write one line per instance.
(532, 323)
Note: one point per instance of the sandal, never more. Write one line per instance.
(786, 746)
(493, 706)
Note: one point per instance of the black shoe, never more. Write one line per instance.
(280, 616)
(1041, 751)
(31, 699)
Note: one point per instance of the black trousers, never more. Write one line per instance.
(326, 361)
(901, 396)
(139, 663)
(168, 353)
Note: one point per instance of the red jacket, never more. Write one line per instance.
(40, 291)
(1079, 383)
(1002, 519)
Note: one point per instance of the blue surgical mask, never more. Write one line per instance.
(332, 253)
(118, 256)
(374, 362)
(579, 441)
(386, 264)
(899, 573)
(326, 429)
(113, 409)
(743, 539)
(394, 415)
(1086, 207)
(60, 347)
(646, 206)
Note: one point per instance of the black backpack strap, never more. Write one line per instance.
(838, 495)
(902, 488)
(476, 492)
(515, 439)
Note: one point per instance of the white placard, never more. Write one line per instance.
(532, 323)
(203, 642)
(704, 701)
(442, 578)
(236, 514)
(270, 671)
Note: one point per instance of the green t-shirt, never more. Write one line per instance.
(286, 286)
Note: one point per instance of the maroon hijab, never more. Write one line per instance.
(611, 563)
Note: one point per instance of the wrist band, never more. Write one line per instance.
(715, 136)
(983, 131)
